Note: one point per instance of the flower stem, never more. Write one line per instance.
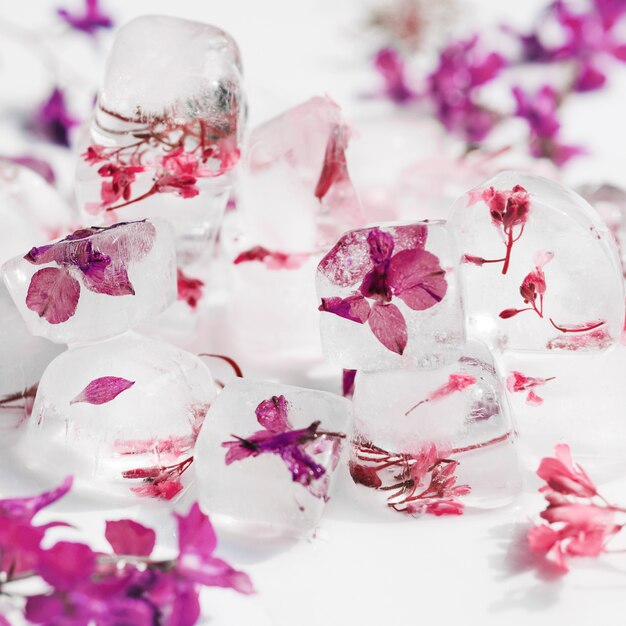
(582, 329)
(509, 248)
(148, 193)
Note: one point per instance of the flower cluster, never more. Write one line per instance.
(533, 289)
(421, 482)
(412, 275)
(296, 447)
(123, 586)
(581, 39)
(53, 292)
(178, 154)
(517, 382)
(580, 522)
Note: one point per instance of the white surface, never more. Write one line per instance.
(361, 569)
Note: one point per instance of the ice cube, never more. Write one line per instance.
(266, 455)
(390, 298)
(166, 132)
(31, 211)
(557, 399)
(96, 283)
(295, 193)
(23, 359)
(121, 415)
(432, 441)
(540, 269)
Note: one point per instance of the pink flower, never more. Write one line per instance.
(122, 177)
(563, 476)
(183, 185)
(189, 289)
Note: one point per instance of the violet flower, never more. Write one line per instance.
(412, 275)
(54, 120)
(462, 69)
(390, 65)
(295, 447)
(88, 22)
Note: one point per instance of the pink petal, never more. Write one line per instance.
(533, 399)
(416, 277)
(53, 294)
(272, 414)
(389, 327)
(353, 308)
(195, 533)
(67, 564)
(102, 390)
(128, 538)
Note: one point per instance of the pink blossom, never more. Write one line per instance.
(189, 289)
(563, 476)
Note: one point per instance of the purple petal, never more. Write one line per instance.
(128, 538)
(26, 508)
(195, 533)
(102, 390)
(272, 414)
(185, 609)
(353, 308)
(54, 120)
(110, 280)
(381, 245)
(53, 294)
(89, 22)
(214, 572)
(66, 564)
(304, 470)
(44, 609)
(416, 277)
(389, 327)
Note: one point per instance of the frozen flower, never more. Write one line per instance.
(563, 476)
(189, 289)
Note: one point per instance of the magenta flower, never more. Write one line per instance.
(347, 383)
(412, 275)
(99, 263)
(88, 22)
(296, 447)
(54, 121)
(462, 69)
(540, 111)
(160, 481)
(455, 383)
(509, 211)
(391, 67)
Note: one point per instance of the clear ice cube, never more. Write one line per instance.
(23, 359)
(295, 193)
(390, 298)
(166, 132)
(432, 441)
(266, 456)
(556, 399)
(95, 283)
(540, 269)
(31, 211)
(121, 415)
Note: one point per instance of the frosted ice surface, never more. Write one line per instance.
(116, 278)
(258, 494)
(557, 399)
(397, 308)
(31, 211)
(460, 409)
(151, 423)
(295, 192)
(541, 270)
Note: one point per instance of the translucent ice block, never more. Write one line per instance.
(390, 298)
(121, 415)
(432, 441)
(557, 399)
(166, 132)
(31, 211)
(295, 193)
(95, 283)
(540, 268)
(266, 455)
(23, 359)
